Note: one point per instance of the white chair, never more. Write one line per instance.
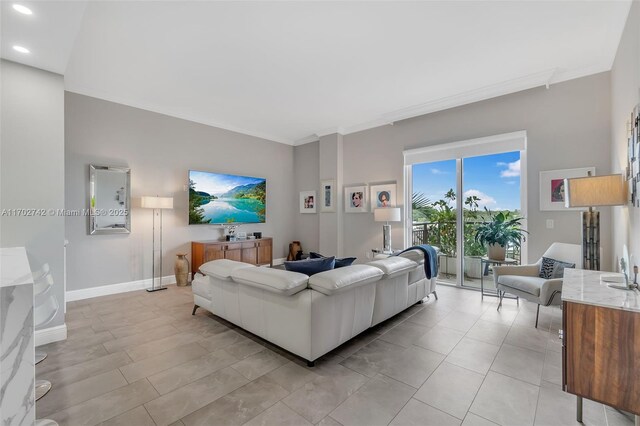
(524, 280)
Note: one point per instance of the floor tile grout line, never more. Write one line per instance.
(484, 418)
(350, 396)
(147, 411)
(405, 404)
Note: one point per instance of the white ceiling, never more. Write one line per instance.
(289, 71)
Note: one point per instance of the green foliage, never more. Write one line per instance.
(256, 192)
(502, 228)
(196, 213)
(471, 247)
(444, 216)
(421, 208)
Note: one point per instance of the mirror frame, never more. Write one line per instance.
(93, 228)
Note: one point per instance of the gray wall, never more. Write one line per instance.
(330, 160)
(625, 83)
(306, 177)
(160, 150)
(567, 126)
(32, 167)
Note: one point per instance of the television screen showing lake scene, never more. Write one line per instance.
(216, 198)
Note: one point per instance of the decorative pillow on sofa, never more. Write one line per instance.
(552, 268)
(311, 266)
(339, 262)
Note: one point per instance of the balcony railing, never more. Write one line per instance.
(443, 236)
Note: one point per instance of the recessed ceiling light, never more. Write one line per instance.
(22, 9)
(21, 49)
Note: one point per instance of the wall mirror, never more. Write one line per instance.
(109, 200)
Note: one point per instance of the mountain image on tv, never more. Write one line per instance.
(216, 198)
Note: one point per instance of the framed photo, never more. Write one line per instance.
(383, 196)
(552, 193)
(308, 201)
(328, 196)
(355, 199)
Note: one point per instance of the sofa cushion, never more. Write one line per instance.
(311, 266)
(343, 279)
(552, 268)
(340, 263)
(222, 268)
(273, 280)
(394, 265)
(531, 285)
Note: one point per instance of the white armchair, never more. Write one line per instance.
(524, 281)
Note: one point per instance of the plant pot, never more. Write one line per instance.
(472, 267)
(496, 252)
(447, 264)
(181, 269)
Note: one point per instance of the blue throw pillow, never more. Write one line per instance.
(311, 266)
(346, 261)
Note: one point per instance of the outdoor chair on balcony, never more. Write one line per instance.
(541, 282)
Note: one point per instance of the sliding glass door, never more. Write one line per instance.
(451, 197)
(491, 184)
(434, 213)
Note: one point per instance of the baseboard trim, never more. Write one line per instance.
(50, 335)
(105, 290)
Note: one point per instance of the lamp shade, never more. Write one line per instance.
(592, 191)
(152, 202)
(387, 214)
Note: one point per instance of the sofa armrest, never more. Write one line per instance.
(549, 288)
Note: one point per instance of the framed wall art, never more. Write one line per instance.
(355, 199)
(552, 194)
(383, 196)
(328, 196)
(308, 202)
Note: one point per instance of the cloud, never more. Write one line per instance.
(511, 182)
(501, 164)
(485, 200)
(438, 172)
(513, 169)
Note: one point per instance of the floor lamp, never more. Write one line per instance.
(156, 203)
(389, 214)
(593, 191)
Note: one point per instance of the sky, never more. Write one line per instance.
(216, 183)
(495, 179)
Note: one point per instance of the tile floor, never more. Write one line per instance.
(143, 359)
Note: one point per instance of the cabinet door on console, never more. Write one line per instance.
(264, 252)
(213, 252)
(233, 252)
(249, 253)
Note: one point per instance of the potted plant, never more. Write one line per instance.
(498, 232)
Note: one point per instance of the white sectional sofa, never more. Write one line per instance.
(310, 316)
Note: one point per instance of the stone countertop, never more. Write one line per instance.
(587, 287)
(14, 267)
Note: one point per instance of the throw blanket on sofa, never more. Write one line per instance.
(430, 259)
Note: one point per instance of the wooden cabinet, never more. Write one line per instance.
(255, 252)
(265, 252)
(601, 354)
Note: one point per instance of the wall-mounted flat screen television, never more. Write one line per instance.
(216, 198)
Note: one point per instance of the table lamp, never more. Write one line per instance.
(156, 203)
(386, 215)
(593, 191)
